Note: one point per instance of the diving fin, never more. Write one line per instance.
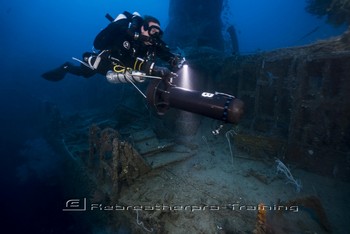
(57, 74)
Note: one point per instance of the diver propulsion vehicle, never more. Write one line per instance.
(162, 94)
(220, 106)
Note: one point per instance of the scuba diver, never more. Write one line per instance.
(127, 52)
(128, 48)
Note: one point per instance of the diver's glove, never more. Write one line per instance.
(153, 70)
(174, 62)
(160, 71)
(164, 73)
(177, 62)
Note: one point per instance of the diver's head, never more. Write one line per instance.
(151, 28)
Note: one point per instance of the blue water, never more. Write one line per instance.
(266, 25)
(38, 35)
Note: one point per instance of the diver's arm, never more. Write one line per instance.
(172, 59)
(150, 68)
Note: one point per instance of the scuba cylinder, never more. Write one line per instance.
(125, 77)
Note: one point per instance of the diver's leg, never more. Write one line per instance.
(56, 74)
(60, 72)
(81, 70)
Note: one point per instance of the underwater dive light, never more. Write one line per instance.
(221, 106)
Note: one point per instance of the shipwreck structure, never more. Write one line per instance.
(297, 104)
